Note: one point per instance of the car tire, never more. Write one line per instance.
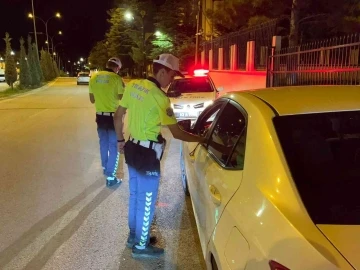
(78, 83)
(183, 174)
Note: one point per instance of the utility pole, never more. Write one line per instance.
(197, 33)
(36, 42)
(143, 13)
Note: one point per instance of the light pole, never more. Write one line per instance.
(32, 16)
(52, 38)
(54, 49)
(197, 33)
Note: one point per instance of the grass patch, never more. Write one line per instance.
(16, 90)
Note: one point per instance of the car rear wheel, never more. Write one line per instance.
(183, 175)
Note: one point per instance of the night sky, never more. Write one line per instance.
(83, 23)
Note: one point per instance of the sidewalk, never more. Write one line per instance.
(4, 86)
(24, 92)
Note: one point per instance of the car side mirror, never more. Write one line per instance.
(174, 94)
(185, 125)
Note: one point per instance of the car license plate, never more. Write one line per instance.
(183, 114)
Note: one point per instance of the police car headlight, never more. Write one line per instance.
(172, 105)
(208, 103)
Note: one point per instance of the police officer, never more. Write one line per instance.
(105, 90)
(148, 109)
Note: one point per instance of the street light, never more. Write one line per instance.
(129, 16)
(12, 53)
(52, 39)
(158, 33)
(57, 15)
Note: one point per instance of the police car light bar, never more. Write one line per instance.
(200, 72)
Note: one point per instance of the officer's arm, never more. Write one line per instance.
(182, 135)
(92, 98)
(118, 122)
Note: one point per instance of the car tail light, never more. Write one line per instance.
(277, 266)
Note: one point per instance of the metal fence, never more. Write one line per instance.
(262, 34)
(329, 62)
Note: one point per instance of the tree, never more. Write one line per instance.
(308, 20)
(178, 30)
(162, 43)
(99, 55)
(10, 65)
(35, 76)
(125, 38)
(47, 66)
(25, 80)
(56, 70)
(37, 63)
(233, 15)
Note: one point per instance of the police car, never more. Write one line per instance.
(189, 96)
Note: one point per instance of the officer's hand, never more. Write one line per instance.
(121, 146)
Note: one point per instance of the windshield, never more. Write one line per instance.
(191, 85)
(323, 154)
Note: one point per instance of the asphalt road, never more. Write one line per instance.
(56, 212)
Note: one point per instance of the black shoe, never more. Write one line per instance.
(148, 252)
(112, 181)
(131, 241)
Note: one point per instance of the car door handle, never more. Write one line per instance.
(192, 158)
(215, 195)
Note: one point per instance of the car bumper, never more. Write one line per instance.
(83, 82)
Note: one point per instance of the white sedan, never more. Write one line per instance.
(83, 78)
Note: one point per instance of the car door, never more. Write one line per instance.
(218, 166)
(202, 127)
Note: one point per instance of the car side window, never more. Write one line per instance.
(227, 141)
(238, 156)
(206, 119)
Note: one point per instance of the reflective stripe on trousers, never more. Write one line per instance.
(143, 195)
(108, 151)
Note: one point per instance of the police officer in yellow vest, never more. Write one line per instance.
(105, 90)
(148, 109)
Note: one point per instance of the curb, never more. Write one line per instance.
(29, 92)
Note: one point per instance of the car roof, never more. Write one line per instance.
(306, 99)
